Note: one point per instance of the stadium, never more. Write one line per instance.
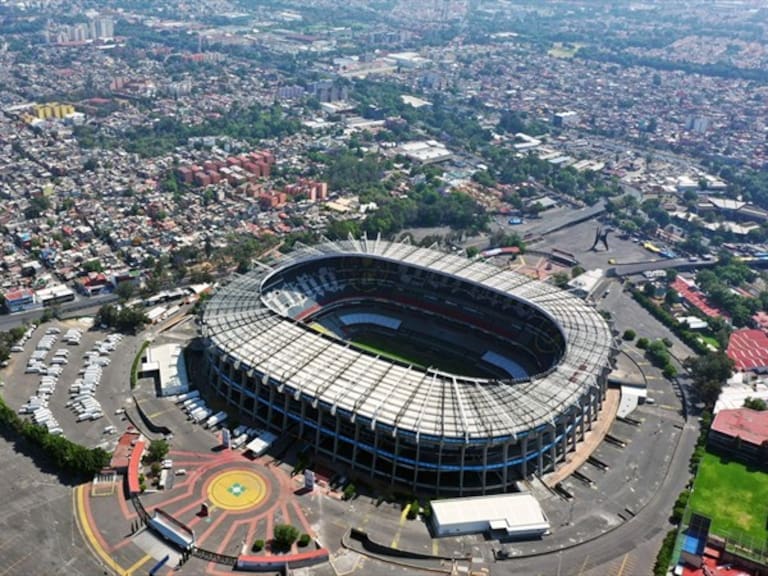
(410, 366)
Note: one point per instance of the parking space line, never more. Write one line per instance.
(623, 564)
(19, 561)
(136, 565)
(403, 517)
(583, 565)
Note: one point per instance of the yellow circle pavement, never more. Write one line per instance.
(237, 490)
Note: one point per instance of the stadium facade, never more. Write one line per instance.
(277, 351)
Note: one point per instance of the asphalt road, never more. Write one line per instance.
(661, 264)
(554, 220)
(38, 534)
(85, 305)
(644, 531)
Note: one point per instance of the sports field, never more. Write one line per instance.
(410, 352)
(734, 497)
(375, 346)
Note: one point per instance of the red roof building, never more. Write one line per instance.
(742, 433)
(122, 454)
(690, 293)
(748, 348)
(19, 299)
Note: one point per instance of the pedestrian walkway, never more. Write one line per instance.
(592, 439)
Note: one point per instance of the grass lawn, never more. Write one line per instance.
(407, 351)
(559, 50)
(374, 349)
(711, 341)
(734, 497)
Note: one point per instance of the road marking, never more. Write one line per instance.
(161, 412)
(19, 561)
(137, 565)
(435, 547)
(403, 517)
(623, 564)
(78, 497)
(583, 565)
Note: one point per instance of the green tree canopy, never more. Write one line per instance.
(158, 450)
(708, 373)
(284, 535)
(755, 404)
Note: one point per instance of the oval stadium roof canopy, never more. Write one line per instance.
(260, 339)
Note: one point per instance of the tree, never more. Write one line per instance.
(158, 450)
(649, 289)
(341, 229)
(349, 491)
(92, 266)
(669, 371)
(664, 558)
(284, 535)
(671, 274)
(560, 279)
(671, 297)
(658, 353)
(125, 291)
(708, 373)
(413, 509)
(629, 335)
(37, 205)
(755, 404)
(680, 505)
(642, 343)
(123, 318)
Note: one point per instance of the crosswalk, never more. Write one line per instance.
(105, 484)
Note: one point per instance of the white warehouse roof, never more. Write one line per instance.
(518, 514)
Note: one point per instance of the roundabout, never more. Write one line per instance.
(237, 490)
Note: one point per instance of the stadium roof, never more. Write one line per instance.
(407, 399)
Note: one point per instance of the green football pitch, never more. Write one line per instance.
(410, 352)
(734, 497)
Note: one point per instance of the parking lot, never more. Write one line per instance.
(72, 379)
(38, 534)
